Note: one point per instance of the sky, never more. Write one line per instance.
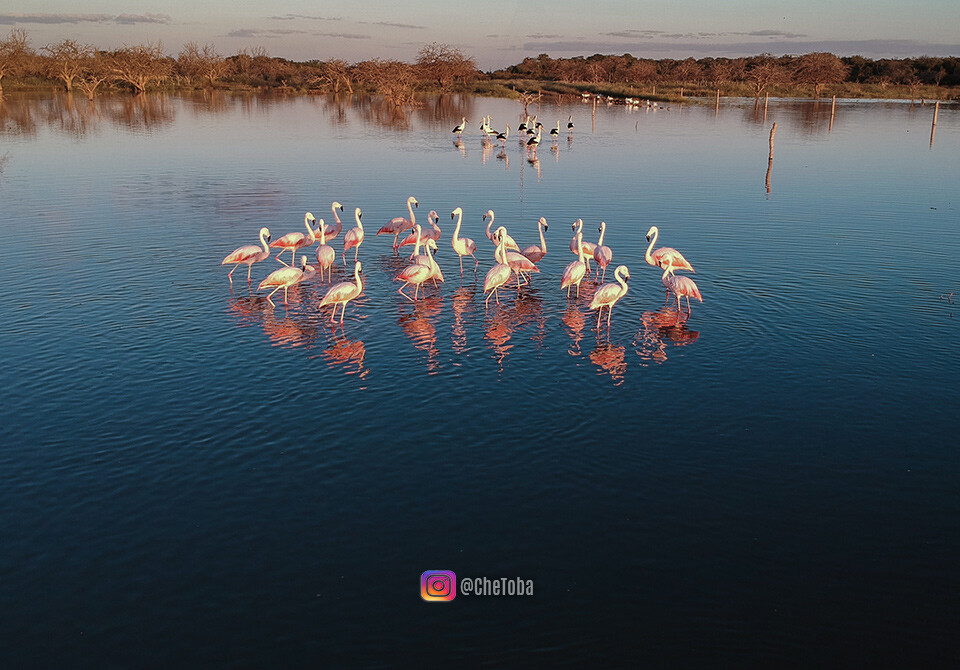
(498, 33)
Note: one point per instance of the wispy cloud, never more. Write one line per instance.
(660, 34)
(53, 19)
(304, 17)
(267, 33)
(392, 25)
(541, 36)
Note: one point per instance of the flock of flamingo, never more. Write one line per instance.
(510, 261)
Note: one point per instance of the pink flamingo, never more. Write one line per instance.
(661, 256)
(326, 256)
(520, 264)
(434, 234)
(293, 241)
(498, 275)
(608, 294)
(344, 292)
(425, 258)
(464, 246)
(588, 247)
(602, 254)
(333, 231)
(508, 242)
(680, 286)
(354, 238)
(416, 274)
(399, 224)
(533, 252)
(574, 272)
(248, 254)
(284, 278)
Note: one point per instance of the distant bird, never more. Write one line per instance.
(399, 224)
(326, 256)
(533, 125)
(354, 238)
(523, 124)
(555, 132)
(680, 286)
(461, 127)
(608, 294)
(283, 278)
(332, 231)
(574, 272)
(248, 254)
(508, 242)
(344, 292)
(533, 252)
(504, 135)
(602, 254)
(464, 246)
(570, 123)
(497, 276)
(293, 241)
(661, 256)
(534, 141)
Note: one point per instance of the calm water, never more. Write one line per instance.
(191, 477)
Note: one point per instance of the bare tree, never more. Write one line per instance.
(94, 71)
(15, 54)
(393, 79)
(335, 74)
(140, 65)
(444, 64)
(820, 69)
(65, 60)
(202, 63)
(763, 71)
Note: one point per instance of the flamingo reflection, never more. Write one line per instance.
(662, 328)
(346, 354)
(462, 303)
(610, 358)
(574, 320)
(419, 326)
(498, 331)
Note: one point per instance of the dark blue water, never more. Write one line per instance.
(191, 477)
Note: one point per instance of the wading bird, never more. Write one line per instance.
(344, 292)
(661, 256)
(602, 254)
(508, 242)
(284, 278)
(293, 241)
(680, 286)
(461, 127)
(354, 238)
(399, 224)
(326, 256)
(608, 294)
(249, 254)
(331, 232)
(464, 246)
(588, 247)
(533, 252)
(574, 272)
(497, 276)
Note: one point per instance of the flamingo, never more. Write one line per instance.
(333, 231)
(399, 224)
(661, 256)
(284, 278)
(519, 263)
(251, 254)
(498, 275)
(416, 274)
(464, 246)
(533, 252)
(344, 292)
(425, 258)
(570, 123)
(602, 254)
(354, 238)
(434, 234)
(608, 294)
(509, 242)
(574, 272)
(294, 241)
(680, 286)
(461, 127)
(326, 256)
(588, 247)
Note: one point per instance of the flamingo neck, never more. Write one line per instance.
(603, 230)
(335, 217)
(580, 245)
(543, 241)
(263, 241)
(359, 222)
(413, 217)
(323, 233)
(416, 247)
(311, 234)
(653, 240)
(456, 231)
(620, 281)
(356, 276)
(488, 227)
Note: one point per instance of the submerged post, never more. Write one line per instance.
(933, 126)
(773, 131)
(833, 111)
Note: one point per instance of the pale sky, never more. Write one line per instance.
(498, 33)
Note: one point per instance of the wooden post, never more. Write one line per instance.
(766, 101)
(718, 103)
(933, 126)
(833, 111)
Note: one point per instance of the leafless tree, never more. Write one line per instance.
(15, 54)
(140, 65)
(393, 79)
(820, 69)
(94, 71)
(444, 64)
(65, 60)
(201, 64)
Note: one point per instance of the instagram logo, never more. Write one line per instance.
(438, 585)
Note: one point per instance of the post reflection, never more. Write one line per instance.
(660, 329)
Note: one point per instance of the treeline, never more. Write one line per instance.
(75, 65)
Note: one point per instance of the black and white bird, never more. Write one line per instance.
(535, 140)
(570, 123)
(504, 135)
(555, 132)
(460, 128)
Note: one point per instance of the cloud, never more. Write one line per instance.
(655, 34)
(297, 17)
(541, 36)
(262, 33)
(53, 19)
(392, 25)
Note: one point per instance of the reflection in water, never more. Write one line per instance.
(142, 112)
(346, 354)
(250, 310)
(462, 304)
(610, 358)
(458, 143)
(419, 326)
(662, 328)
(497, 331)
(574, 320)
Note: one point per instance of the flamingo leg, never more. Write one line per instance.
(271, 295)
(477, 263)
(609, 314)
(461, 264)
(400, 291)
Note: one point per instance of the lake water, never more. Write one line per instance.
(193, 477)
